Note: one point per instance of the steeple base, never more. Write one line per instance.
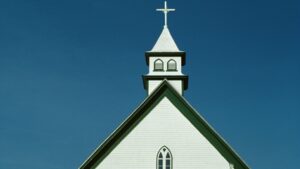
(179, 83)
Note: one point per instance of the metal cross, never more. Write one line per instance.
(165, 10)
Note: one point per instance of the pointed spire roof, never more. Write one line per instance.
(165, 42)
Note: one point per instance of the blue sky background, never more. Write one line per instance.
(70, 73)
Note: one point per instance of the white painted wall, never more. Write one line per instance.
(165, 60)
(164, 126)
(176, 84)
(153, 84)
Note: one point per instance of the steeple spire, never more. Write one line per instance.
(165, 10)
(165, 42)
(165, 61)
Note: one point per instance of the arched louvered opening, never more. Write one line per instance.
(164, 158)
(172, 65)
(158, 65)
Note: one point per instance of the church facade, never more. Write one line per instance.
(165, 131)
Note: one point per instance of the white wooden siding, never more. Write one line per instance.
(164, 126)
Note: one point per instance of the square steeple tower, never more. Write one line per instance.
(165, 61)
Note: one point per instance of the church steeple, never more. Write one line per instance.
(165, 61)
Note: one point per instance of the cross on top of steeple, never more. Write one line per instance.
(165, 10)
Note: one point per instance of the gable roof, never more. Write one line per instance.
(164, 90)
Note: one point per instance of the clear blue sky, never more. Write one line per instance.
(70, 73)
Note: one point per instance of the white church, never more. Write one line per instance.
(165, 131)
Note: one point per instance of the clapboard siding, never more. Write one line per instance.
(164, 126)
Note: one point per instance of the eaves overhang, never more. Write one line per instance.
(183, 78)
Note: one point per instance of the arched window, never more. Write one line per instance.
(158, 65)
(164, 158)
(171, 65)
(160, 161)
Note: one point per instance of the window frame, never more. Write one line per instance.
(168, 66)
(155, 69)
(164, 151)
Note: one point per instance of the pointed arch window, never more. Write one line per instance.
(172, 65)
(160, 161)
(164, 158)
(158, 65)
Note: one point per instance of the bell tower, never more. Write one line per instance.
(165, 61)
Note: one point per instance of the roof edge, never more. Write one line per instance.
(144, 108)
(90, 161)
